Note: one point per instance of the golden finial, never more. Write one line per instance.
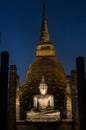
(44, 37)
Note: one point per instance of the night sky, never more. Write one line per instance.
(20, 23)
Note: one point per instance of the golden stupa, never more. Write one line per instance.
(45, 64)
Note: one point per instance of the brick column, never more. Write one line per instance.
(80, 65)
(4, 90)
(76, 120)
(69, 97)
(12, 97)
(17, 99)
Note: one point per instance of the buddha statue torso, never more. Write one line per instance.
(43, 102)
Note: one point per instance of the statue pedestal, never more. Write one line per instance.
(41, 117)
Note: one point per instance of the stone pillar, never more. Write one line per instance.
(80, 66)
(12, 97)
(68, 98)
(76, 120)
(4, 91)
(17, 99)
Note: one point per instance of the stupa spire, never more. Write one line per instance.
(44, 37)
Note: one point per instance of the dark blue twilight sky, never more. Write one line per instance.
(20, 21)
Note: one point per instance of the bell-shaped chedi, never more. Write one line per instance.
(45, 62)
(48, 65)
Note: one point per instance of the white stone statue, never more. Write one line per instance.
(43, 104)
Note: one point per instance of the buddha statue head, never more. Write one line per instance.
(43, 87)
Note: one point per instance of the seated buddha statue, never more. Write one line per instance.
(43, 103)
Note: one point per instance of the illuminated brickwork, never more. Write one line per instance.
(69, 98)
(45, 50)
(17, 99)
(48, 65)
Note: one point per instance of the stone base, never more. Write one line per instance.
(41, 117)
(65, 124)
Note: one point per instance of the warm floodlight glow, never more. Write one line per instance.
(43, 106)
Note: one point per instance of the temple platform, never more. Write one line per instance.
(63, 124)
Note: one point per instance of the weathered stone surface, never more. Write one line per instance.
(62, 125)
(12, 98)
